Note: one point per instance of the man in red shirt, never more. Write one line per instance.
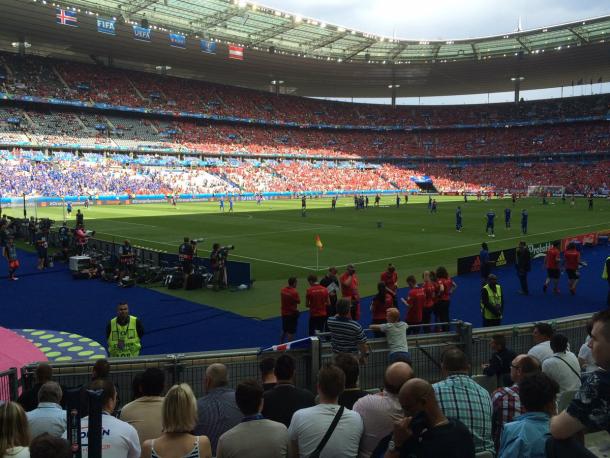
(349, 290)
(572, 262)
(551, 262)
(415, 302)
(430, 290)
(290, 312)
(317, 300)
(390, 278)
(446, 288)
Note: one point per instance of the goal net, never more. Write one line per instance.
(19, 207)
(542, 191)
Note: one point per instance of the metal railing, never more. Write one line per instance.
(425, 349)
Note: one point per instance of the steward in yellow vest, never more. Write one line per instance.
(124, 333)
(492, 302)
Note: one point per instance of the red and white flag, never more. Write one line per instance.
(236, 52)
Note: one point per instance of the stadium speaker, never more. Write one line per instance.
(144, 23)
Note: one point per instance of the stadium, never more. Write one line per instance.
(219, 167)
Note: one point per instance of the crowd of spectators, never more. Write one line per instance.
(43, 77)
(453, 417)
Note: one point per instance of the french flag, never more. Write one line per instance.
(236, 52)
(300, 343)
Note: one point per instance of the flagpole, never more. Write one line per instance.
(317, 259)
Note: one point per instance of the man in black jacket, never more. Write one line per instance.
(500, 361)
(524, 265)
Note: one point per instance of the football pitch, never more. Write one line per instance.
(279, 242)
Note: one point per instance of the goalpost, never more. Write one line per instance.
(542, 191)
(21, 207)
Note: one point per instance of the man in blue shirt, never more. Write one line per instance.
(458, 219)
(230, 204)
(491, 216)
(507, 217)
(222, 204)
(48, 417)
(524, 221)
(527, 434)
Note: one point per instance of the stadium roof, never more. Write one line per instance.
(308, 56)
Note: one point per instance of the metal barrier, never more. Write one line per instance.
(9, 385)
(425, 349)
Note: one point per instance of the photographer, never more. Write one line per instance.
(42, 246)
(64, 240)
(218, 264)
(127, 259)
(81, 239)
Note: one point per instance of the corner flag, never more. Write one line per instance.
(319, 242)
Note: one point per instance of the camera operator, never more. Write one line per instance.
(64, 240)
(42, 246)
(186, 253)
(32, 231)
(127, 259)
(218, 264)
(81, 239)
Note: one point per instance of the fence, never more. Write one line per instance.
(9, 384)
(425, 349)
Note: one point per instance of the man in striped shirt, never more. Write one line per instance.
(461, 398)
(347, 336)
(506, 401)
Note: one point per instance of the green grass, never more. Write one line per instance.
(279, 242)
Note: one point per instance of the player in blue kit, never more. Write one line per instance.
(221, 203)
(230, 204)
(524, 216)
(458, 219)
(507, 217)
(491, 216)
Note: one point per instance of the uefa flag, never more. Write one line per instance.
(236, 52)
(319, 242)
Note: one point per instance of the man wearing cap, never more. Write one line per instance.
(492, 302)
(349, 290)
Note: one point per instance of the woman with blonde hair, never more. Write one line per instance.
(179, 417)
(14, 431)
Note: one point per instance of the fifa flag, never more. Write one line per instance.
(107, 26)
(66, 17)
(236, 52)
(319, 242)
(208, 47)
(177, 41)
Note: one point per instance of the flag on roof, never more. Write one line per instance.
(66, 17)
(300, 343)
(319, 242)
(236, 52)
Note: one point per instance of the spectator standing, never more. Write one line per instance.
(390, 280)
(552, 263)
(290, 312)
(47, 446)
(317, 301)
(331, 283)
(309, 426)
(14, 432)
(145, 413)
(447, 287)
(350, 367)
(492, 302)
(179, 416)
(349, 290)
(29, 398)
(255, 436)
(505, 401)
(541, 334)
(523, 265)
(124, 334)
(217, 411)
(381, 302)
(500, 362)
(426, 431)
(526, 436)
(346, 335)
(563, 366)
(396, 335)
(48, 417)
(463, 399)
(283, 400)
(267, 368)
(121, 439)
(380, 411)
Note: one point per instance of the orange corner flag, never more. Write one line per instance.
(319, 242)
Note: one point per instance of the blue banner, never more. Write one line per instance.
(107, 26)
(208, 47)
(177, 41)
(141, 34)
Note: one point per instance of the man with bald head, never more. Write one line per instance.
(217, 409)
(506, 401)
(425, 431)
(379, 411)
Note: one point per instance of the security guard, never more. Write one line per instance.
(124, 334)
(492, 302)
